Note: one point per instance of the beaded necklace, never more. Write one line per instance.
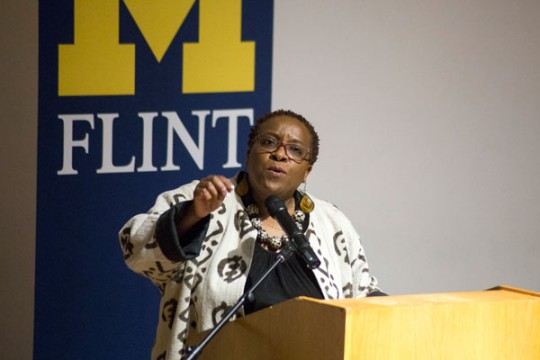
(272, 243)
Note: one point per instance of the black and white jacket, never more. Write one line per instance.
(198, 288)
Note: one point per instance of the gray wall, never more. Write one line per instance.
(18, 161)
(429, 114)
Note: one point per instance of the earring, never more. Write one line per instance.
(306, 204)
(242, 188)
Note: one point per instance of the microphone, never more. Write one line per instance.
(277, 209)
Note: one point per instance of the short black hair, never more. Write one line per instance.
(313, 152)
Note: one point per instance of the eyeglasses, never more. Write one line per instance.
(269, 144)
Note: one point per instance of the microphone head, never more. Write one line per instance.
(274, 205)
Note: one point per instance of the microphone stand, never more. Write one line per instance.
(194, 352)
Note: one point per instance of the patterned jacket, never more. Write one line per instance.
(197, 292)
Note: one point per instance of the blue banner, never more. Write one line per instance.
(135, 97)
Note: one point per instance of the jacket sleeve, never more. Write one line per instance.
(364, 283)
(150, 243)
(348, 241)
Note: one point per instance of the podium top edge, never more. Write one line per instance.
(498, 293)
(515, 289)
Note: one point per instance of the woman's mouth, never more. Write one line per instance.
(277, 170)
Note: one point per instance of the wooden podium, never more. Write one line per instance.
(501, 323)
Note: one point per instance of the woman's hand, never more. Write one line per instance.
(210, 193)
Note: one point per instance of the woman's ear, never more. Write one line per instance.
(308, 170)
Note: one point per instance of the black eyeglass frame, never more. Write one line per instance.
(283, 145)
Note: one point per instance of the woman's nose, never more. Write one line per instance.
(281, 153)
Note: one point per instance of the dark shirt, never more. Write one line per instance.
(288, 280)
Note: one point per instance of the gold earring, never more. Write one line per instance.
(306, 204)
(242, 188)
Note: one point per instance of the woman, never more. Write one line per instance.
(206, 242)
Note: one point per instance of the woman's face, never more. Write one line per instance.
(274, 173)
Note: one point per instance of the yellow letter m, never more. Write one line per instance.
(97, 64)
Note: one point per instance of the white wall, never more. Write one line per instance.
(429, 114)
